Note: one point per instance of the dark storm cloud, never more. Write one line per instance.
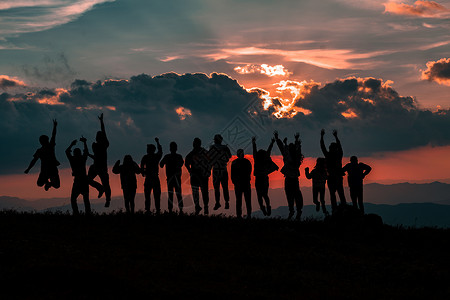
(369, 114)
(7, 82)
(438, 71)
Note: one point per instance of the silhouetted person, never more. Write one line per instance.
(220, 155)
(319, 177)
(49, 176)
(333, 159)
(198, 165)
(100, 165)
(150, 170)
(356, 173)
(263, 166)
(241, 170)
(80, 185)
(292, 158)
(127, 171)
(173, 162)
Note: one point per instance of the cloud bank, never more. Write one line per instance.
(368, 113)
(424, 9)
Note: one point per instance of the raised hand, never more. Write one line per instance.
(27, 171)
(157, 140)
(273, 140)
(101, 117)
(297, 135)
(55, 123)
(74, 142)
(335, 133)
(275, 134)
(322, 132)
(83, 139)
(254, 139)
(285, 140)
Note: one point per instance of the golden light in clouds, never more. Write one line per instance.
(53, 100)
(183, 112)
(265, 69)
(349, 114)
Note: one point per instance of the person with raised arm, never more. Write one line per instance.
(263, 166)
(80, 185)
(241, 171)
(319, 177)
(356, 171)
(150, 170)
(333, 158)
(220, 156)
(49, 176)
(173, 163)
(198, 165)
(128, 182)
(100, 165)
(292, 159)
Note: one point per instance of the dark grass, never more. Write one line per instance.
(58, 256)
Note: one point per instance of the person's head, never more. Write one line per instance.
(240, 153)
(151, 148)
(333, 147)
(218, 139)
(354, 160)
(173, 147)
(100, 137)
(77, 152)
(44, 140)
(127, 160)
(320, 163)
(197, 143)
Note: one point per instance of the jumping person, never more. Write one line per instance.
(263, 166)
(292, 158)
(319, 178)
(241, 170)
(100, 165)
(220, 155)
(356, 174)
(49, 176)
(173, 162)
(80, 185)
(333, 159)
(127, 171)
(150, 170)
(198, 165)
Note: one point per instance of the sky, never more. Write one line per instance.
(378, 72)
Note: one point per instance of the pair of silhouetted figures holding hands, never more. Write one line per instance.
(199, 163)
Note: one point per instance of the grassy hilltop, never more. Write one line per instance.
(118, 256)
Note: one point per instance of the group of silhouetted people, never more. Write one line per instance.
(201, 163)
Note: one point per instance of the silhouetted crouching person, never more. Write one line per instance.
(198, 165)
(173, 163)
(319, 178)
(292, 158)
(356, 174)
(100, 165)
(127, 171)
(241, 170)
(220, 155)
(263, 166)
(80, 180)
(333, 159)
(49, 176)
(150, 170)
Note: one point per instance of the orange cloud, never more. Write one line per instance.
(438, 71)
(10, 82)
(271, 71)
(183, 112)
(424, 9)
(349, 114)
(53, 99)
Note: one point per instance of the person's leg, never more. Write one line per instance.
(132, 197)
(92, 173)
(238, 193)
(259, 195)
(157, 193)
(104, 177)
(178, 192)
(54, 180)
(84, 191)
(216, 184)
(248, 200)
(170, 189)
(298, 199)
(289, 196)
(196, 197)
(226, 193)
(73, 199)
(332, 188)
(147, 193)
(354, 196)
(322, 199)
(126, 198)
(42, 179)
(340, 190)
(316, 197)
(360, 199)
(205, 194)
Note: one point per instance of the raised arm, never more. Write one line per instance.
(159, 147)
(102, 126)
(85, 147)
(338, 142)
(116, 168)
(53, 138)
(279, 142)
(269, 149)
(322, 143)
(254, 146)
(162, 162)
(69, 149)
(31, 165)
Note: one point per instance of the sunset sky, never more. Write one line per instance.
(378, 72)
